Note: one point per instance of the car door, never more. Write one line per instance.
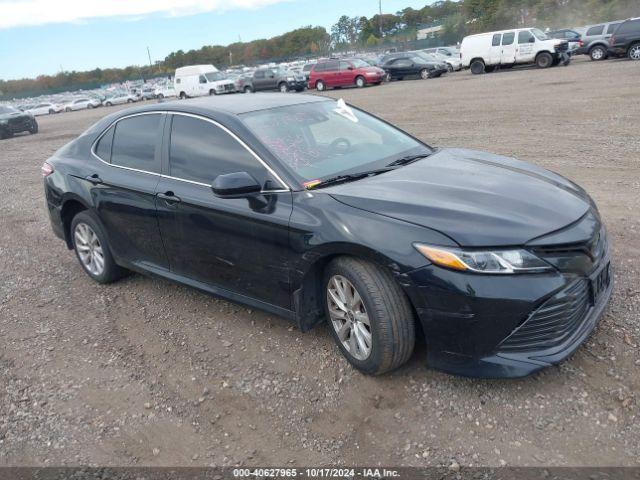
(259, 80)
(403, 67)
(526, 48)
(345, 76)
(239, 245)
(123, 186)
(508, 56)
(495, 52)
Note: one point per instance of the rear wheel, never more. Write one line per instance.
(320, 86)
(34, 127)
(634, 52)
(598, 53)
(248, 89)
(108, 104)
(449, 68)
(283, 87)
(212, 92)
(544, 60)
(160, 96)
(129, 100)
(370, 317)
(477, 67)
(424, 74)
(183, 96)
(360, 81)
(92, 249)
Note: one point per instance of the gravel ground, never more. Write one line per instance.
(146, 372)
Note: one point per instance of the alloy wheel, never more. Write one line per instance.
(349, 317)
(424, 74)
(284, 88)
(634, 53)
(597, 53)
(89, 249)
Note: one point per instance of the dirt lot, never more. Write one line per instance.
(145, 372)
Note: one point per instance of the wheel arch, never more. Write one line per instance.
(307, 284)
(71, 206)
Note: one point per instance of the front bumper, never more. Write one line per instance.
(493, 326)
(298, 85)
(437, 72)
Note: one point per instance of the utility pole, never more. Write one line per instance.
(380, 17)
(230, 58)
(149, 55)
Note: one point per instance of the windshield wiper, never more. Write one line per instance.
(348, 178)
(409, 159)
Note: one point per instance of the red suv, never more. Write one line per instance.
(343, 73)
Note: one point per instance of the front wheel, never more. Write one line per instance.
(634, 52)
(129, 100)
(360, 82)
(598, 53)
(320, 86)
(371, 319)
(92, 249)
(160, 96)
(544, 60)
(283, 87)
(424, 74)
(108, 104)
(449, 68)
(183, 96)
(34, 128)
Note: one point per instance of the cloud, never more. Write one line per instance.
(16, 13)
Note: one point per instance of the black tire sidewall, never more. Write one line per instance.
(111, 270)
(548, 57)
(478, 70)
(372, 363)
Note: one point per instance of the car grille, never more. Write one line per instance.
(579, 258)
(554, 322)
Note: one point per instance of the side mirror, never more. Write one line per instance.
(532, 40)
(351, 68)
(235, 185)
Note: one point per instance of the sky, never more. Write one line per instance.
(46, 36)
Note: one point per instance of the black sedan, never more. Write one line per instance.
(14, 121)
(340, 217)
(401, 67)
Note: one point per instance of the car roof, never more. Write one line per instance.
(232, 104)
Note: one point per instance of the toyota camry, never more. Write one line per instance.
(317, 211)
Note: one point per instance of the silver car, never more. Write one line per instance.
(595, 39)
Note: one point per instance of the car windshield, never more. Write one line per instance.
(540, 35)
(357, 63)
(6, 109)
(214, 76)
(320, 140)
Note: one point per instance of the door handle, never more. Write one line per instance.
(169, 197)
(95, 179)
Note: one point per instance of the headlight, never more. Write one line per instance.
(487, 261)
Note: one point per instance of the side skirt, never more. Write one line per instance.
(146, 269)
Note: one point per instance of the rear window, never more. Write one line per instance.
(496, 39)
(134, 143)
(629, 27)
(612, 28)
(103, 148)
(597, 30)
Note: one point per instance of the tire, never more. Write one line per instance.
(320, 86)
(183, 96)
(544, 60)
(212, 92)
(360, 81)
(387, 78)
(248, 89)
(85, 226)
(160, 96)
(424, 74)
(129, 100)
(108, 104)
(67, 109)
(477, 67)
(34, 129)
(391, 328)
(5, 134)
(283, 87)
(597, 53)
(89, 106)
(51, 111)
(449, 68)
(634, 52)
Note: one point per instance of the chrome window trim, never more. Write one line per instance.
(200, 117)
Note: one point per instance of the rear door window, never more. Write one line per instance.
(344, 66)
(508, 38)
(612, 28)
(597, 30)
(134, 143)
(497, 38)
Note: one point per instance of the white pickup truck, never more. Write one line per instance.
(485, 51)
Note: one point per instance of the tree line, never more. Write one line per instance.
(458, 18)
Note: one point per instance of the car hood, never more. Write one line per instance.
(14, 115)
(476, 198)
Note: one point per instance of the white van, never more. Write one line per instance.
(200, 80)
(483, 52)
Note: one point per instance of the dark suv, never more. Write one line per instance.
(276, 79)
(626, 40)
